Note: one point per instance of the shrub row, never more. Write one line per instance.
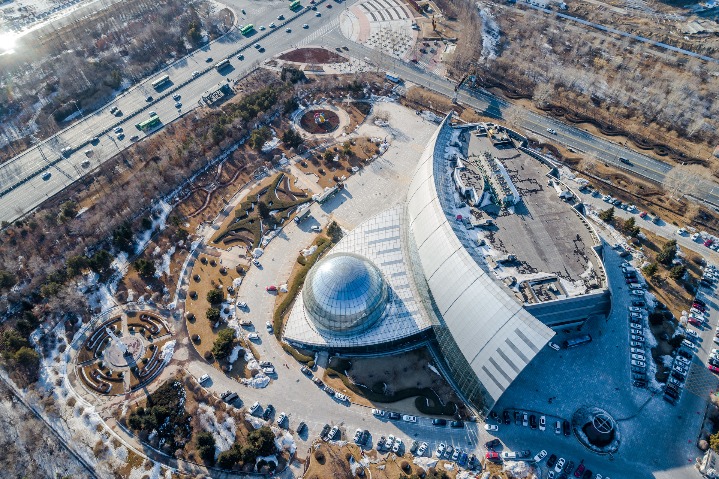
(302, 358)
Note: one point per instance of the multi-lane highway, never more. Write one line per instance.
(24, 182)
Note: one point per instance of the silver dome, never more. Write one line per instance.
(345, 293)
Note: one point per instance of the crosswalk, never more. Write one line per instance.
(320, 32)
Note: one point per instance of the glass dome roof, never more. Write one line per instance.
(345, 293)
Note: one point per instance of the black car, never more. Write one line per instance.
(569, 467)
(148, 99)
(565, 427)
(533, 421)
(551, 461)
(507, 418)
(268, 412)
(301, 426)
(395, 416)
(325, 430)
(456, 424)
(364, 437)
(493, 415)
(517, 418)
(639, 304)
(713, 362)
(493, 443)
(439, 422)
(700, 302)
(587, 474)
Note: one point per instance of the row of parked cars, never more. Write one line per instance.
(320, 384)
(528, 420)
(560, 468)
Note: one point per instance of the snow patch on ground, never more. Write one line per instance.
(158, 224)
(490, 33)
(518, 469)
(234, 354)
(285, 442)
(163, 266)
(224, 432)
(433, 369)
(167, 351)
(258, 382)
(270, 145)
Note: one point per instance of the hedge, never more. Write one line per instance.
(296, 354)
(426, 400)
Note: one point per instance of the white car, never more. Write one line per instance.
(178, 105)
(558, 427)
(638, 357)
(551, 131)
(542, 423)
(269, 370)
(640, 364)
(440, 449)
(422, 449)
(341, 397)
(316, 229)
(117, 129)
(637, 292)
(288, 30)
(204, 378)
(491, 427)
(253, 336)
(272, 25)
(268, 325)
(397, 445)
(541, 455)
(378, 412)
(195, 74)
(262, 27)
(554, 346)
(560, 465)
(692, 334)
(634, 309)
(408, 418)
(242, 304)
(305, 26)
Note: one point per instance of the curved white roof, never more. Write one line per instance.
(496, 335)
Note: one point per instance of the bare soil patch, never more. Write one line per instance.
(312, 55)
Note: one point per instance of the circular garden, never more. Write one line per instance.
(122, 353)
(319, 121)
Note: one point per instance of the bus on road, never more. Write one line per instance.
(295, 5)
(223, 64)
(149, 124)
(160, 81)
(247, 29)
(393, 78)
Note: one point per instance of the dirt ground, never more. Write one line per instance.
(406, 370)
(312, 55)
(329, 172)
(210, 276)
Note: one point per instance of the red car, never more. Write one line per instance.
(700, 307)
(579, 471)
(713, 369)
(643, 214)
(694, 322)
(708, 243)
(271, 288)
(493, 456)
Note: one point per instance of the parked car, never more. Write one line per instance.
(558, 427)
(491, 427)
(395, 416)
(580, 470)
(507, 419)
(540, 455)
(378, 412)
(551, 461)
(456, 424)
(559, 467)
(300, 427)
(566, 428)
(439, 422)
(542, 423)
(441, 448)
(267, 413)
(422, 449)
(281, 420)
(408, 418)
(271, 288)
(491, 456)
(492, 444)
